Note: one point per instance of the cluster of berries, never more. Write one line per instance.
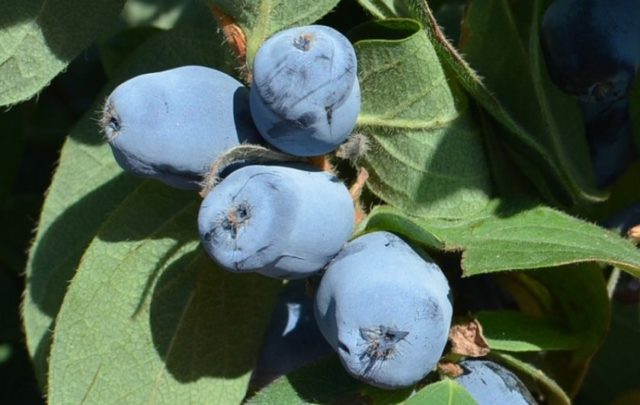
(381, 304)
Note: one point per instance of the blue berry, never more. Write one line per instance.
(284, 222)
(489, 383)
(385, 309)
(292, 339)
(610, 137)
(592, 47)
(305, 96)
(173, 125)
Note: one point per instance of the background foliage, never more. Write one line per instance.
(478, 159)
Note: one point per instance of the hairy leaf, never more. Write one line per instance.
(508, 236)
(87, 185)
(149, 317)
(425, 153)
(38, 39)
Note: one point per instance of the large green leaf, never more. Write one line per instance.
(149, 317)
(425, 153)
(87, 185)
(38, 38)
(260, 19)
(506, 237)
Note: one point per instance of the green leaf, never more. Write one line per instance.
(508, 236)
(39, 38)
(513, 331)
(149, 317)
(87, 185)
(446, 391)
(259, 19)
(425, 152)
(323, 382)
(511, 181)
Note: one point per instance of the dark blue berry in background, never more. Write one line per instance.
(489, 383)
(610, 137)
(292, 338)
(592, 47)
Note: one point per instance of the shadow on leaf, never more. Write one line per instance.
(206, 322)
(64, 243)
